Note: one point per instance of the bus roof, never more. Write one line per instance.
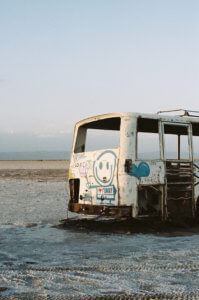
(162, 117)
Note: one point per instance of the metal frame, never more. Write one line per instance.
(189, 130)
(122, 209)
(186, 112)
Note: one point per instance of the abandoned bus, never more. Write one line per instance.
(152, 170)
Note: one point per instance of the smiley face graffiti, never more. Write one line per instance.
(103, 171)
(104, 168)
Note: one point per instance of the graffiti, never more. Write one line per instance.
(106, 193)
(143, 170)
(104, 168)
(79, 156)
(84, 168)
(103, 172)
(99, 175)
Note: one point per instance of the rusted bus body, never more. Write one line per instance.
(118, 182)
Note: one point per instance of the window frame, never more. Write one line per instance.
(190, 144)
(80, 142)
(159, 133)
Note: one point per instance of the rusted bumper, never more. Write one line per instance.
(101, 210)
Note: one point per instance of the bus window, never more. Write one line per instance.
(195, 139)
(196, 147)
(176, 141)
(97, 135)
(148, 143)
(101, 139)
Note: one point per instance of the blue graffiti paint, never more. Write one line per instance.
(143, 170)
(106, 193)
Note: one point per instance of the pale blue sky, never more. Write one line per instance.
(61, 61)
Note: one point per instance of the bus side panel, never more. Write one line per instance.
(127, 184)
(150, 172)
(97, 174)
(142, 172)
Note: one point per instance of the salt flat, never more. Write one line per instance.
(41, 260)
(54, 170)
(33, 164)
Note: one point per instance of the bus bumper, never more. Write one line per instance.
(101, 210)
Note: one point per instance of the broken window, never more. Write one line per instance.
(101, 139)
(195, 139)
(148, 142)
(196, 147)
(97, 135)
(171, 146)
(184, 147)
(176, 141)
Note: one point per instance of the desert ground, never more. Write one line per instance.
(43, 258)
(55, 170)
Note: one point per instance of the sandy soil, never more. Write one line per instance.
(55, 170)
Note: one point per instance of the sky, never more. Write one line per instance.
(62, 61)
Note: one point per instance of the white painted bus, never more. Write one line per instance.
(152, 170)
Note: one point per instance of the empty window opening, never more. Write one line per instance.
(98, 135)
(171, 146)
(148, 142)
(101, 139)
(195, 139)
(176, 142)
(196, 147)
(184, 147)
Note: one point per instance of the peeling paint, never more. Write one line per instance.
(148, 188)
